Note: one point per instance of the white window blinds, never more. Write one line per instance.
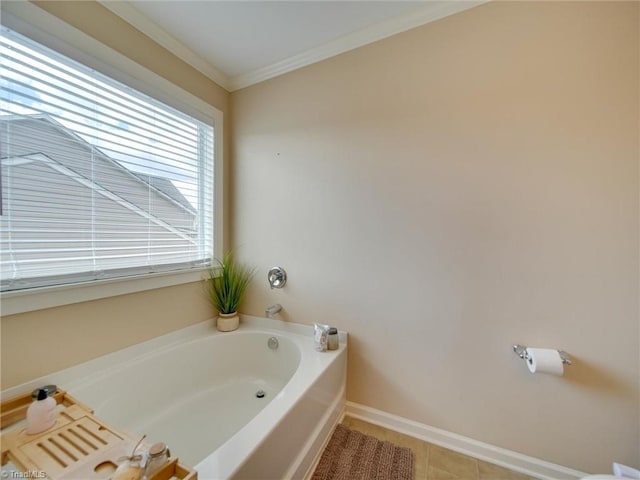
(98, 180)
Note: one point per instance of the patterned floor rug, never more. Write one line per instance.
(351, 455)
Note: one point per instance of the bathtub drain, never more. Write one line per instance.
(260, 394)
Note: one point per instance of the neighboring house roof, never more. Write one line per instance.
(167, 187)
(53, 144)
(61, 176)
(70, 209)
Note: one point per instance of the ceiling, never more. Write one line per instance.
(238, 43)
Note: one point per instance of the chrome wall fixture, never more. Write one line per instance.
(277, 277)
(272, 310)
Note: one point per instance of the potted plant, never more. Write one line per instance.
(228, 282)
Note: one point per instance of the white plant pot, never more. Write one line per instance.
(227, 322)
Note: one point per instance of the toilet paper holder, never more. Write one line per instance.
(521, 351)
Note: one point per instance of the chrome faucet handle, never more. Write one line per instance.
(277, 277)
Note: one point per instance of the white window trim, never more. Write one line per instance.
(39, 25)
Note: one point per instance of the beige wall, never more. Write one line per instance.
(76, 333)
(452, 190)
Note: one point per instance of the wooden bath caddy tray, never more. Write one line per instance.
(78, 447)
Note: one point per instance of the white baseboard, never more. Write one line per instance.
(517, 462)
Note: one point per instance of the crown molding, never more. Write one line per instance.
(140, 22)
(431, 12)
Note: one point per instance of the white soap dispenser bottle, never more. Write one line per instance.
(41, 414)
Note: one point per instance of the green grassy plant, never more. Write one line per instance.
(228, 282)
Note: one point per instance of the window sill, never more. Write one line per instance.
(48, 297)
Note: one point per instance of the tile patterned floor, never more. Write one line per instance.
(432, 462)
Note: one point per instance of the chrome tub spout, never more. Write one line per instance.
(272, 310)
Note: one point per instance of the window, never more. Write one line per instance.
(99, 180)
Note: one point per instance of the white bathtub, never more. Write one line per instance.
(195, 389)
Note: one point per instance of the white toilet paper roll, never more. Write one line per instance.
(544, 360)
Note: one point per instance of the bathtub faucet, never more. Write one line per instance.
(272, 310)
